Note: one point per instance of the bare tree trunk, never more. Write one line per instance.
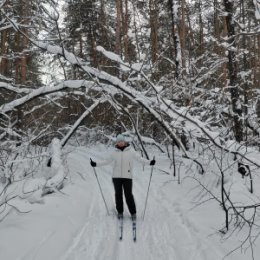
(125, 30)
(182, 32)
(216, 25)
(80, 47)
(201, 34)
(92, 35)
(258, 64)
(3, 52)
(255, 64)
(118, 26)
(154, 29)
(232, 69)
(191, 42)
(24, 61)
(136, 34)
(17, 49)
(190, 31)
(25, 42)
(245, 68)
(176, 39)
(104, 36)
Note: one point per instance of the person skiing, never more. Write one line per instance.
(122, 159)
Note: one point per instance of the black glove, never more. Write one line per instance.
(152, 162)
(92, 163)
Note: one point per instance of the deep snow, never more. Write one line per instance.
(73, 224)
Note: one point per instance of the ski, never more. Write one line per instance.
(134, 229)
(121, 228)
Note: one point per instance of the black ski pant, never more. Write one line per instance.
(125, 184)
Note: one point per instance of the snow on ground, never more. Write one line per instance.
(73, 225)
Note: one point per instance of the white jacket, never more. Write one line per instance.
(123, 162)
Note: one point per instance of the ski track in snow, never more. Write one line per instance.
(74, 225)
(167, 233)
(32, 254)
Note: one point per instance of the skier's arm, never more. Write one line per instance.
(107, 161)
(140, 159)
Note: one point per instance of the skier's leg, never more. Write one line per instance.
(128, 184)
(118, 195)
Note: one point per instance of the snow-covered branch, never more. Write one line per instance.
(71, 84)
(57, 168)
(78, 122)
(154, 106)
(12, 88)
(257, 9)
(146, 102)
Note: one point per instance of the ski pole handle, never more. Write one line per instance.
(100, 189)
(147, 194)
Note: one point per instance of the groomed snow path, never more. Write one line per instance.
(166, 232)
(74, 225)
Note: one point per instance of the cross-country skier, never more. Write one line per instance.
(122, 159)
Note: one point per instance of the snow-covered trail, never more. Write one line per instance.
(74, 225)
(166, 233)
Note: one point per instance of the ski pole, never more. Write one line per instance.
(148, 190)
(95, 173)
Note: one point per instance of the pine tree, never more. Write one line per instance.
(16, 50)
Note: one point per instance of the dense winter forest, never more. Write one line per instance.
(182, 76)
